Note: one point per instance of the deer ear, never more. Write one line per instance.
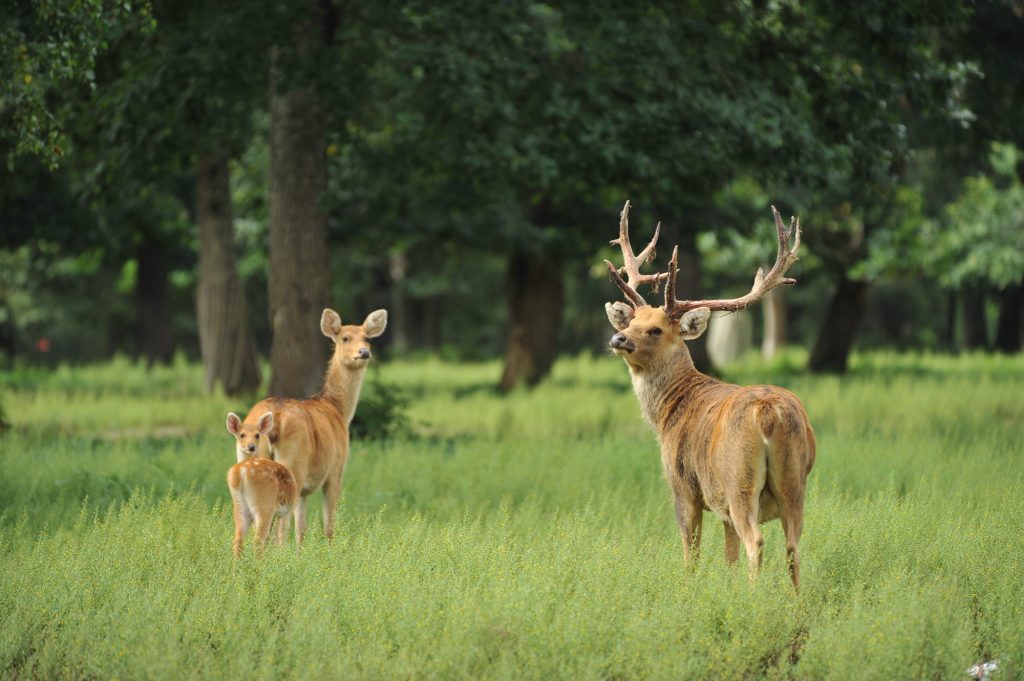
(266, 422)
(233, 423)
(375, 322)
(694, 323)
(330, 323)
(619, 314)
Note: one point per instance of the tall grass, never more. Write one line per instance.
(527, 536)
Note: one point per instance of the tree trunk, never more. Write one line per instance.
(730, 337)
(839, 328)
(535, 295)
(1008, 332)
(155, 330)
(949, 328)
(774, 323)
(975, 331)
(10, 337)
(225, 340)
(299, 269)
(690, 281)
(398, 320)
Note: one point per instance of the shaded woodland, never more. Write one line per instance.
(204, 178)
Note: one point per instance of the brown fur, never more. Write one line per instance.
(742, 452)
(311, 436)
(260, 488)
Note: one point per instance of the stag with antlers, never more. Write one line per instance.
(741, 452)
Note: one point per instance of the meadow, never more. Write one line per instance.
(527, 536)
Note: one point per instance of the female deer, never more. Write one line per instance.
(311, 436)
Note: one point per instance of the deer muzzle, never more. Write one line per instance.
(620, 342)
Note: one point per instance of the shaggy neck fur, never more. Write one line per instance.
(652, 384)
(342, 385)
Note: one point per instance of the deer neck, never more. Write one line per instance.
(655, 385)
(342, 386)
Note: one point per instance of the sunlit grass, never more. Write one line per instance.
(527, 536)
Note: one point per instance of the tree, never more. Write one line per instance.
(171, 111)
(531, 125)
(299, 272)
(46, 46)
(979, 243)
(864, 103)
(225, 338)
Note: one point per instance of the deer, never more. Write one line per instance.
(311, 436)
(261, 489)
(743, 453)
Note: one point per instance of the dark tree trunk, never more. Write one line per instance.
(10, 337)
(949, 329)
(432, 326)
(225, 340)
(398, 319)
(535, 295)
(839, 328)
(774, 323)
(975, 331)
(299, 269)
(155, 330)
(1008, 332)
(690, 281)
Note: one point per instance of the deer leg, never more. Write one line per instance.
(261, 530)
(732, 543)
(743, 512)
(332, 490)
(242, 519)
(300, 519)
(690, 516)
(792, 525)
(282, 527)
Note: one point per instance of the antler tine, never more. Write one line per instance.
(670, 286)
(634, 298)
(631, 263)
(763, 283)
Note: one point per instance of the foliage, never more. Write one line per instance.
(49, 47)
(529, 536)
(978, 238)
(382, 412)
(981, 237)
(872, 109)
(538, 121)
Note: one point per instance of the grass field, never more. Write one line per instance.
(522, 537)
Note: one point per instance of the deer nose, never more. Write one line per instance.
(620, 342)
(364, 353)
(252, 448)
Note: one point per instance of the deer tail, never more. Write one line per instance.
(766, 415)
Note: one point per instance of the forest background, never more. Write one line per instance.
(204, 178)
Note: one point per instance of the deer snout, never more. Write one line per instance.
(364, 353)
(252, 448)
(620, 342)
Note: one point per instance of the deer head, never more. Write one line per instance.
(648, 336)
(353, 341)
(250, 438)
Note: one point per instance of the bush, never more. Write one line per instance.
(382, 412)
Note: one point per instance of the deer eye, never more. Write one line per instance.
(655, 331)
(257, 436)
(346, 339)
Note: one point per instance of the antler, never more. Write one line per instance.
(785, 257)
(632, 263)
